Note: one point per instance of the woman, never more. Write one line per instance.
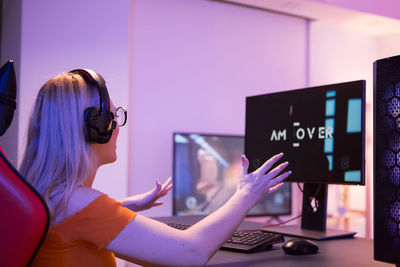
(88, 227)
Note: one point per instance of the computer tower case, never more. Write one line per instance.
(387, 160)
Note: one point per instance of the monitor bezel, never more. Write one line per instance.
(174, 209)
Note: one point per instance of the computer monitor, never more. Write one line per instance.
(320, 130)
(206, 169)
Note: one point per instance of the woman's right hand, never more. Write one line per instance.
(150, 241)
(263, 181)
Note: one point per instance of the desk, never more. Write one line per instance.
(332, 253)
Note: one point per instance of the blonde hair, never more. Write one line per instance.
(56, 159)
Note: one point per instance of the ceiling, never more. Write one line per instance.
(325, 12)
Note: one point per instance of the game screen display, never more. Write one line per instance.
(206, 172)
(320, 130)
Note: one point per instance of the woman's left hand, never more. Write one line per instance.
(149, 199)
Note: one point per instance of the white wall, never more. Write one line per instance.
(59, 36)
(194, 64)
(387, 8)
(388, 46)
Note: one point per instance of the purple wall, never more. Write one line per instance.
(194, 62)
(59, 36)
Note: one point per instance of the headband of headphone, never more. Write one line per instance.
(99, 121)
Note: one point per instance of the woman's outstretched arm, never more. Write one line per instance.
(153, 242)
(149, 199)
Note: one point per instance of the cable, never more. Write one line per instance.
(298, 185)
(291, 219)
(272, 224)
(277, 224)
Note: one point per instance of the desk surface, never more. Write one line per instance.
(332, 253)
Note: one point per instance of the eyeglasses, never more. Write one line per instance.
(120, 116)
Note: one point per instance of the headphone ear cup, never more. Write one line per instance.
(97, 125)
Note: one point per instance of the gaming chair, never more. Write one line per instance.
(24, 216)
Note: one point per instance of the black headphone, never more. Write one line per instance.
(99, 121)
(8, 94)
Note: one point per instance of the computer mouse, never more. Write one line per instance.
(299, 246)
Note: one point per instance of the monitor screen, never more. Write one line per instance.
(319, 129)
(205, 173)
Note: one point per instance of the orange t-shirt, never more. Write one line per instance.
(81, 238)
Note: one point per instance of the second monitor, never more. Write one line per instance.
(206, 171)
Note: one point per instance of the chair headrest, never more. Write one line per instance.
(8, 94)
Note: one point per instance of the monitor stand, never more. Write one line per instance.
(313, 220)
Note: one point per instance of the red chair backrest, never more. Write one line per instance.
(24, 217)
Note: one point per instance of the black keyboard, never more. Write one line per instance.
(244, 241)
